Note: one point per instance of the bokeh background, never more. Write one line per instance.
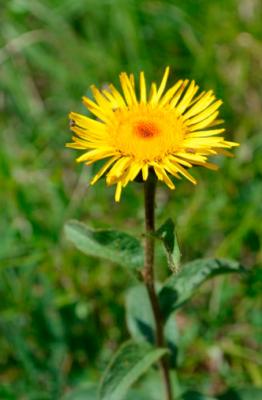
(62, 313)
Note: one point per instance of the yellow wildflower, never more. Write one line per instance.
(166, 132)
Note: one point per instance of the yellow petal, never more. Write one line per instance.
(185, 102)
(162, 85)
(103, 170)
(145, 172)
(152, 94)
(128, 90)
(84, 122)
(200, 105)
(170, 93)
(118, 192)
(100, 99)
(118, 169)
(178, 95)
(204, 114)
(117, 96)
(178, 168)
(97, 154)
(205, 123)
(95, 109)
(142, 88)
(211, 132)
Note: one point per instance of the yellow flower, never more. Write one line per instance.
(167, 132)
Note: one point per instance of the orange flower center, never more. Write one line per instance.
(146, 130)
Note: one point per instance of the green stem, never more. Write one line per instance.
(148, 277)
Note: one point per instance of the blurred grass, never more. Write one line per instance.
(61, 314)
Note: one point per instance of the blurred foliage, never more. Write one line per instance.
(61, 314)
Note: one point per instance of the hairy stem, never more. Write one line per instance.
(148, 277)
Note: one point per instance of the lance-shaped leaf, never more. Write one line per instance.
(181, 287)
(118, 247)
(168, 236)
(130, 362)
(141, 324)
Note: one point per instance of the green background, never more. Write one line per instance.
(61, 313)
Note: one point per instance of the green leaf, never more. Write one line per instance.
(181, 287)
(87, 391)
(168, 236)
(249, 393)
(139, 316)
(129, 363)
(118, 247)
(141, 324)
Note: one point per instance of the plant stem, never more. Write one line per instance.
(148, 277)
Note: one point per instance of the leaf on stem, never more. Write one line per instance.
(141, 324)
(181, 287)
(167, 234)
(115, 246)
(129, 363)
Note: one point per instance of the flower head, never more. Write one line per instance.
(164, 131)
